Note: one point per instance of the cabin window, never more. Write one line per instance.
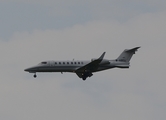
(78, 62)
(71, 62)
(75, 62)
(67, 62)
(63, 62)
(55, 62)
(59, 62)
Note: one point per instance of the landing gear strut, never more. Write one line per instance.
(35, 75)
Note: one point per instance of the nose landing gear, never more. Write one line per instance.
(35, 75)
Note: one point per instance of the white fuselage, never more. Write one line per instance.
(72, 66)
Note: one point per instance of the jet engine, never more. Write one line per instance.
(104, 62)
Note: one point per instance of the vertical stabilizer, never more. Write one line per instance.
(126, 55)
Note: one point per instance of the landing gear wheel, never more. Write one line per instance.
(34, 75)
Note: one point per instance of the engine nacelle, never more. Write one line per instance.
(93, 59)
(105, 62)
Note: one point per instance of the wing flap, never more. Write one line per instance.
(79, 74)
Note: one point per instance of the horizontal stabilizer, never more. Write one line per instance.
(133, 50)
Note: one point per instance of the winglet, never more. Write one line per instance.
(102, 56)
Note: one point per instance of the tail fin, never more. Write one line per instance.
(127, 54)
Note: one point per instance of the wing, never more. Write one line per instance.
(90, 67)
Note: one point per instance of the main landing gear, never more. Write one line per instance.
(85, 75)
(35, 75)
(84, 78)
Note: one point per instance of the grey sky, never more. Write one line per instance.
(29, 15)
(33, 31)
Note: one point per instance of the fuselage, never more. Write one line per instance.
(72, 66)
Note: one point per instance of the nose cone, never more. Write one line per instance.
(27, 70)
(31, 69)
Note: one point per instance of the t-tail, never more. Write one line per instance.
(126, 55)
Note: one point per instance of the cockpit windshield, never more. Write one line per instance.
(43, 62)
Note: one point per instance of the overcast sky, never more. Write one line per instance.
(32, 31)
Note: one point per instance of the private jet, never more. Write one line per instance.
(84, 69)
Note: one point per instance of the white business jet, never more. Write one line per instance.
(84, 69)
